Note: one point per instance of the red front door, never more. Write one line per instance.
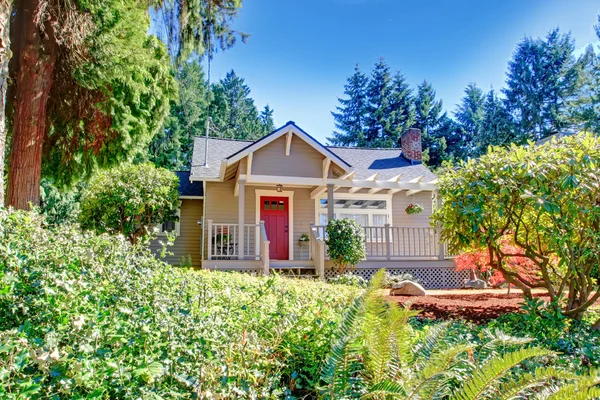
(274, 211)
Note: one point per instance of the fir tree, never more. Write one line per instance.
(351, 116)
(266, 119)
(541, 79)
(401, 113)
(427, 118)
(496, 127)
(469, 115)
(234, 113)
(378, 94)
(172, 145)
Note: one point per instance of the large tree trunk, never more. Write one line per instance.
(36, 53)
(5, 8)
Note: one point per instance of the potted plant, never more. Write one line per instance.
(304, 239)
(414, 209)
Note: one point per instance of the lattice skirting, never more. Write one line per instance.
(431, 278)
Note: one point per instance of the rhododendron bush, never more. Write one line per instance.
(537, 205)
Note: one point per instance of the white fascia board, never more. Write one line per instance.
(368, 184)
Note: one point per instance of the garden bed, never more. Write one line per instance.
(479, 306)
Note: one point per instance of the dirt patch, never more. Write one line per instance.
(477, 307)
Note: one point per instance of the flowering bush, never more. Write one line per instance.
(346, 242)
(414, 209)
(348, 279)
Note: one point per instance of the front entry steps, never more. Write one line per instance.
(297, 269)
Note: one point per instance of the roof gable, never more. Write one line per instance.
(294, 129)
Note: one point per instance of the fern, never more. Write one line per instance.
(530, 381)
(585, 388)
(492, 370)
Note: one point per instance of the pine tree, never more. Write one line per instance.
(266, 120)
(469, 115)
(428, 112)
(351, 116)
(541, 80)
(234, 114)
(496, 126)
(378, 94)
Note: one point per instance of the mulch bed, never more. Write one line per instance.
(477, 307)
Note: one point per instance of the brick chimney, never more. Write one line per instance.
(411, 144)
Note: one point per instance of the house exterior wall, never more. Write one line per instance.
(222, 207)
(399, 203)
(304, 161)
(190, 235)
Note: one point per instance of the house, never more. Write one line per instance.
(246, 204)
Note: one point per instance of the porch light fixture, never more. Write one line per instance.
(279, 188)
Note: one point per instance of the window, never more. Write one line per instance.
(367, 211)
(170, 226)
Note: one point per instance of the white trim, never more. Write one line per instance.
(375, 190)
(288, 142)
(417, 179)
(280, 132)
(373, 177)
(394, 191)
(358, 196)
(289, 180)
(326, 164)
(191, 197)
(274, 193)
(318, 191)
(411, 192)
(249, 164)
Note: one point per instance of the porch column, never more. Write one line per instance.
(441, 246)
(241, 217)
(329, 202)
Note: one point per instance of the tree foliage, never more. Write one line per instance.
(129, 200)
(345, 243)
(546, 199)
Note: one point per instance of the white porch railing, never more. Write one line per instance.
(398, 242)
(317, 250)
(223, 241)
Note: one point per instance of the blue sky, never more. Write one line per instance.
(301, 52)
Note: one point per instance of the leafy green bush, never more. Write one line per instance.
(377, 354)
(348, 279)
(86, 316)
(129, 199)
(346, 243)
(59, 206)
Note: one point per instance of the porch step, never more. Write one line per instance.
(296, 268)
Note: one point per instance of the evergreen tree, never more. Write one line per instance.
(469, 115)
(234, 114)
(378, 93)
(89, 87)
(172, 145)
(451, 137)
(541, 80)
(496, 127)
(401, 113)
(266, 119)
(351, 116)
(585, 108)
(427, 118)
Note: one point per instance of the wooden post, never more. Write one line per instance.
(264, 248)
(388, 243)
(241, 218)
(442, 249)
(329, 202)
(210, 239)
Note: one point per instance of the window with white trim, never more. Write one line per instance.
(170, 226)
(367, 211)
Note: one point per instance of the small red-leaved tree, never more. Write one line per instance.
(481, 264)
(546, 199)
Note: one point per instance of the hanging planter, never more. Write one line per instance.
(414, 209)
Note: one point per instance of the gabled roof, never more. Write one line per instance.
(188, 188)
(388, 163)
(289, 126)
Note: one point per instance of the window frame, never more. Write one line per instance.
(177, 229)
(357, 196)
